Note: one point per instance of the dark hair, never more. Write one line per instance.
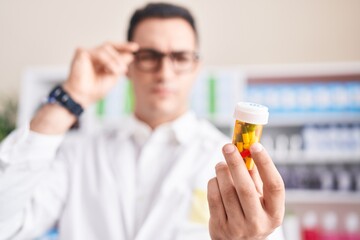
(160, 10)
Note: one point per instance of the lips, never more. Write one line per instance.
(163, 91)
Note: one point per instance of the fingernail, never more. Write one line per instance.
(229, 148)
(219, 164)
(256, 147)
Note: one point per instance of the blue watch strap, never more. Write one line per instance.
(59, 95)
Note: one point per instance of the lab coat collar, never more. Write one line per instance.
(185, 127)
(181, 129)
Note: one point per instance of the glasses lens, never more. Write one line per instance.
(183, 61)
(147, 60)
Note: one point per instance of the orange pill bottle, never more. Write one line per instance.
(249, 121)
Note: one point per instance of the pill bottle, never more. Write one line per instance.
(249, 121)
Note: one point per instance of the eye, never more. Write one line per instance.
(183, 56)
(147, 55)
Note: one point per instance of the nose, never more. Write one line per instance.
(166, 69)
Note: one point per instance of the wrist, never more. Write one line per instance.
(77, 96)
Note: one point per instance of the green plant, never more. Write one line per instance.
(8, 109)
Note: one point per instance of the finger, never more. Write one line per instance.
(254, 173)
(104, 61)
(126, 58)
(113, 53)
(228, 192)
(243, 183)
(80, 55)
(274, 189)
(125, 52)
(216, 207)
(122, 60)
(126, 47)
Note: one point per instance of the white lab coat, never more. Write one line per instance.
(125, 183)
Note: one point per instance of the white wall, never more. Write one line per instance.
(46, 32)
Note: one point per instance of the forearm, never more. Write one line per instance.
(29, 177)
(31, 200)
(52, 119)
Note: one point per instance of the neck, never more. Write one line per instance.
(154, 120)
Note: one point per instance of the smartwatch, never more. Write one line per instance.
(60, 96)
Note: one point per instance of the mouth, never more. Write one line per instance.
(163, 91)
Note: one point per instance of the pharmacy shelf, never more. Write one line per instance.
(302, 159)
(321, 197)
(293, 119)
(300, 119)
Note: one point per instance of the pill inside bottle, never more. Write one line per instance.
(249, 121)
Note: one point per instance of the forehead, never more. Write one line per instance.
(170, 34)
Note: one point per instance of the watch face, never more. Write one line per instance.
(57, 91)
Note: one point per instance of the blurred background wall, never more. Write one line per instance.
(46, 32)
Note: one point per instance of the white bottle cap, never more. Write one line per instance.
(251, 113)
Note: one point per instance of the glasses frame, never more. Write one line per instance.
(159, 60)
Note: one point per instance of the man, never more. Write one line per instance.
(147, 179)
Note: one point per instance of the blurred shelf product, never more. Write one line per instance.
(308, 98)
(330, 225)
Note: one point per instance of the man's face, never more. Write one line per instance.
(163, 91)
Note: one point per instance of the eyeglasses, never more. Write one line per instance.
(150, 60)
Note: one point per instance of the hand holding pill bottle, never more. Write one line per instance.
(250, 118)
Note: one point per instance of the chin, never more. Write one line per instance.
(166, 108)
